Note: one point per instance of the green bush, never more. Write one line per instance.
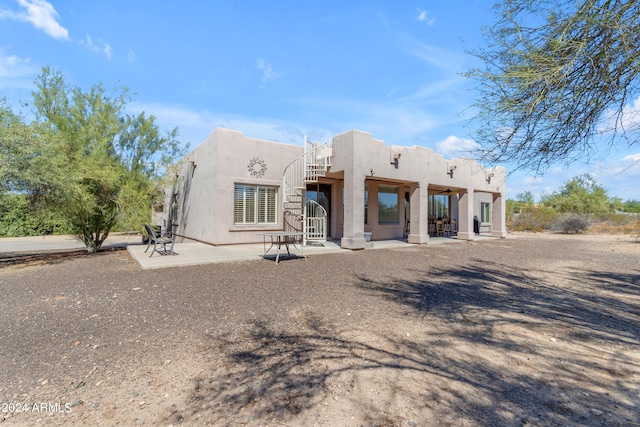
(19, 218)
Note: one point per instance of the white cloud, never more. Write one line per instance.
(455, 146)
(532, 180)
(14, 66)
(195, 126)
(102, 47)
(131, 55)
(397, 123)
(423, 16)
(267, 71)
(16, 77)
(40, 14)
(629, 121)
(633, 157)
(106, 49)
(445, 60)
(556, 170)
(619, 176)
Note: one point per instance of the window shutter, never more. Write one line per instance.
(255, 204)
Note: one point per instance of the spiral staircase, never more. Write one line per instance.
(300, 213)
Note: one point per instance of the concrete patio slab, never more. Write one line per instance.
(193, 253)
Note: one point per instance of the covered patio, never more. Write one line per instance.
(196, 253)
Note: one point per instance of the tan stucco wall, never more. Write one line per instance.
(206, 179)
(220, 162)
(362, 158)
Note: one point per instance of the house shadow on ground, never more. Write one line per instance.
(498, 347)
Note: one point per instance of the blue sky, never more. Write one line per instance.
(279, 70)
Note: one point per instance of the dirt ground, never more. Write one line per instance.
(533, 330)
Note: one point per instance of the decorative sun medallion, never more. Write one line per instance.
(257, 167)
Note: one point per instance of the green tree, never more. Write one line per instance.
(631, 206)
(525, 198)
(19, 217)
(102, 164)
(19, 153)
(522, 201)
(581, 195)
(525, 215)
(24, 173)
(556, 78)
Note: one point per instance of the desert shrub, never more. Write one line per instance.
(618, 223)
(532, 218)
(618, 218)
(572, 224)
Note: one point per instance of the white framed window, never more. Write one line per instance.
(485, 212)
(255, 204)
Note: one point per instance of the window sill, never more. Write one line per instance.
(255, 227)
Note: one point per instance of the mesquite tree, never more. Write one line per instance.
(103, 164)
(559, 81)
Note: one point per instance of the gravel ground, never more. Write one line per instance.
(534, 330)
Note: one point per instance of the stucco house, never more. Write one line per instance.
(352, 190)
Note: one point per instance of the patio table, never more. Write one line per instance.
(279, 238)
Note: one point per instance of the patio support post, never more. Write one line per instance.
(419, 205)
(465, 215)
(353, 236)
(348, 149)
(498, 217)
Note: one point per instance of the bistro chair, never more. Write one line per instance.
(157, 239)
(432, 225)
(447, 227)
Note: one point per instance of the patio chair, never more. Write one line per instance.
(454, 227)
(157, 239)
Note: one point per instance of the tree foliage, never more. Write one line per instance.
(19, 217)
(522, 201)
(523, 214)
(581, 195)
(631, 206)
(86, 158)
(558, 80)
(20, 151)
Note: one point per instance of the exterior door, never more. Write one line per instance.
(321, 194)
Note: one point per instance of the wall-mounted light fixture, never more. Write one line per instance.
(192, 161)
(371, 171)
(489, 176)
(451, 169)
(395, 156)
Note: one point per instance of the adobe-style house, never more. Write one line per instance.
(353, 189)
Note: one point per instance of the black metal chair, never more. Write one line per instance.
(157, 239)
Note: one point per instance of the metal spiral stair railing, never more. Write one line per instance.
(302, 214)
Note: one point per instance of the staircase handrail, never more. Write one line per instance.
(324, 214)
(297, 174)
(306, 153)
(290, 187)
